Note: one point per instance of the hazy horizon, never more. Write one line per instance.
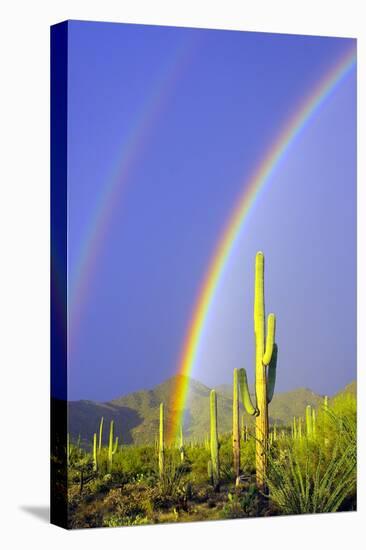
(227, 383)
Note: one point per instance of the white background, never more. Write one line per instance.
(24, 270)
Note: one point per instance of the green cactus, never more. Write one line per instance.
(161, 442)
(100, 435)
(214, 441)
(265, 373)
(309, 422)
(236, 432)
(294, 428)
(112, 447)
(95, 461)
(299, 429)
(209, 472)
(181, 445)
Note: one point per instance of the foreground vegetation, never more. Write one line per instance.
(311, 469)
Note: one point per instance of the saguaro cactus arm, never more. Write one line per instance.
(271, 329)
(271, 375)
(236, 430)
(244, 393)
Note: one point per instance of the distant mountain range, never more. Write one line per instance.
(136, 414)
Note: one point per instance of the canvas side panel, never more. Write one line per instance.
(59, 52)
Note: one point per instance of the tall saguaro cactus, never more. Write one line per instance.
(236, 428)
(214, 440)
(161, 442)
(265, 373)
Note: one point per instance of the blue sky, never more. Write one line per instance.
(204, 106)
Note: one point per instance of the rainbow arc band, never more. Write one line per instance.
(228, 238)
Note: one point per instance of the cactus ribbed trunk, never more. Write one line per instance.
(100, 435)
(161, 442)
(214, 441)
(110, 446)
(181, 445)
(236, 428)
(95, 460)
(309, 422)
(299, 429)
(294, 429)
(261, 422)
(209, 471)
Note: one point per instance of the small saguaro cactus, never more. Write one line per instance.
(181, 445)
(161, 442)
(100, 435)
(265, 373)
(209, 471)
(112, 448)
(236, 429)
(214, 441)
(299, 428)
(309, 422)
(294, 428)
(95, 459)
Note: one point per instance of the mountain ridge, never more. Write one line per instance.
(136, 414)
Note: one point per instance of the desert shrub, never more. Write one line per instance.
(171, 483)
(198, 458)
(244, 504)
(317, 476)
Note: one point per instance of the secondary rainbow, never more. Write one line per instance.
(129, 153)
(231, 232)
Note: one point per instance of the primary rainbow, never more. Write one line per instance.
(233, 228)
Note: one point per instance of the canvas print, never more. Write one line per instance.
(203, 274)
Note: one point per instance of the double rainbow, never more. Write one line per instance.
(231, 232)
